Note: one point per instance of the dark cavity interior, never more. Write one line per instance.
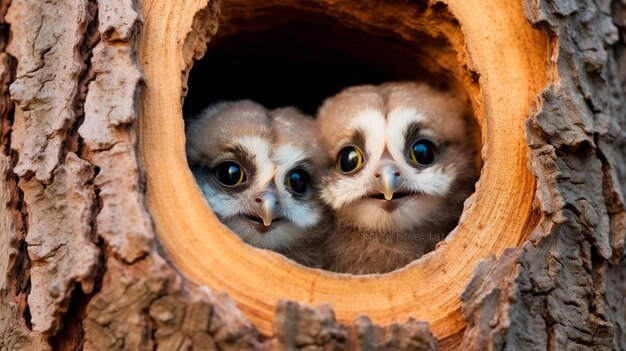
(294, 53)
(304, 60)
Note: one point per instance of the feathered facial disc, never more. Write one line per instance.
(258, 171)
(400, 150)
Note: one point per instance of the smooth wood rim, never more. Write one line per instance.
(511, 59)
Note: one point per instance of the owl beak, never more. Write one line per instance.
(268, 206)
(390, 182)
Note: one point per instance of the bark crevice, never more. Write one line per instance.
(574, 137)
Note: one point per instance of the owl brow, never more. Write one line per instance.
(239, 154)
(358, 139)
(412, 131)
(305, 164)
(239, 151)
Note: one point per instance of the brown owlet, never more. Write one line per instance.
(260, 171)
(405, 160)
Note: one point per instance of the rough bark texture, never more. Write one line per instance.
(80, 267)
(564, 288)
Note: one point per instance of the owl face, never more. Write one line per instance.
(260, 171)
(403, 154)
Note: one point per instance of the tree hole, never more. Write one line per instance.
(280, 54)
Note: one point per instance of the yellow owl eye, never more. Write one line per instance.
(350, 159)
(423, 152)
(230, 173)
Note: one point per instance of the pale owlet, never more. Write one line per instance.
(405, 160)
(260, 172)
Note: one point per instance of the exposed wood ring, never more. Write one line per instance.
(511, 60)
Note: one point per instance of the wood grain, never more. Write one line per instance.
(496, 44)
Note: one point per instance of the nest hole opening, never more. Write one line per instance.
(279, 55)
(499, 216)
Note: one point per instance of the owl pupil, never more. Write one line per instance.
(423, 152)
(233, 172)
(298, 181)
(229, 173)
(349, 159)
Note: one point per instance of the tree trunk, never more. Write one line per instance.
(81, 266)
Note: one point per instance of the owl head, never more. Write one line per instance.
(260, 171)
(405, 157)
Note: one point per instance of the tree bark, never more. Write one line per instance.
(81, 267)
(564, 288)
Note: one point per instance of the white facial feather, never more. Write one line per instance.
(368, 216)
(397, 123)
(287, 157)
(371, 123)
(350, 188)
(281, 237)
(272, 163)
(431, 180)
(392, 209)
(261, 150)
(232, 205)
(347, 193)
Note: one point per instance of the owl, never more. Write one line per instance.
(260, 171)
(405, 161)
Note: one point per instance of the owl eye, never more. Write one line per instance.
(230, 173)
(350, 158)
(423, 152)
(298, 181)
